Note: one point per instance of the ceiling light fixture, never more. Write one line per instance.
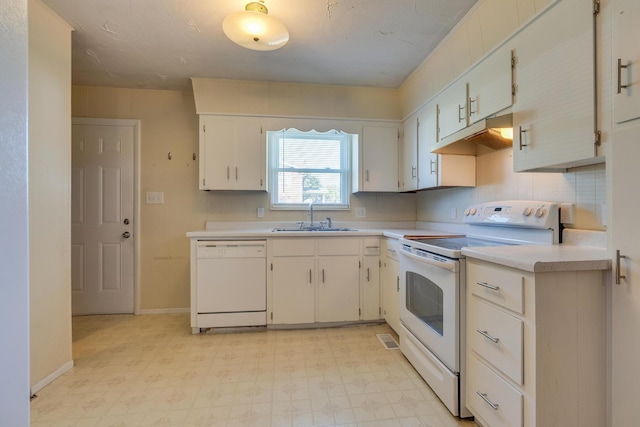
(255, 29)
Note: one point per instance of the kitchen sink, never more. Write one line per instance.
(312, 229)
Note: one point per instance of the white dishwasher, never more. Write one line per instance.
(231, 284)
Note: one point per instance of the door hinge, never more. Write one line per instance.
(597, 138)
(596, 7)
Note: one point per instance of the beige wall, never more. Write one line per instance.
(49, 193)
(169, 123)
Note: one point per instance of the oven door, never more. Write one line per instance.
(430, 303)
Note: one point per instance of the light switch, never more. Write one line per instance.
(361, 212)
(154, 198)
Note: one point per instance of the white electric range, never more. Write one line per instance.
(432, 288)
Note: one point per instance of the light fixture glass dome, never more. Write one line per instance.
(254, 29)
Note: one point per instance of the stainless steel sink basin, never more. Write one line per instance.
(312, 229)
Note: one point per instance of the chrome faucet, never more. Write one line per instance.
(329, 221)
(311, 213)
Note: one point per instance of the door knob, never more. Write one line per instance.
(126, 234)
(126, 221)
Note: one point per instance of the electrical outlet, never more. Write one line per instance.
(154, 198)
(260, 212)
(567, 213)
(454, 213)
(361, 212)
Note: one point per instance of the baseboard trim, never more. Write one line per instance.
(51, 377)
(164, 311)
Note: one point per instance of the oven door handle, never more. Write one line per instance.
(447, 265)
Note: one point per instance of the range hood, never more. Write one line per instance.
(483, 133)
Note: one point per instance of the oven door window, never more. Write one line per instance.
(425, 300)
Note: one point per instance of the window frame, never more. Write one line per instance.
(273, 168)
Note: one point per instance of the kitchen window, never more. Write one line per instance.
(309, 167)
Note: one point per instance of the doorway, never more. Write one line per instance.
(104, 216)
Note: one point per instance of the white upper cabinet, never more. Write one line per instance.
(626, 57)
(232, 153)
(375, 159)
(490, 85)
(452, 108)
(410, 154)
(437, 170)
(553, 112)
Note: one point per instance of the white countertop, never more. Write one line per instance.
(544, 258)
(261, 233)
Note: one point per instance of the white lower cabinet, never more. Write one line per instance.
(390, 283)
(321, 280)
(535, 347)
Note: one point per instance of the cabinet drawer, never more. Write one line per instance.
(500, 285)
(339, 246)
(491, 398)
(496, 336)
(293, 247)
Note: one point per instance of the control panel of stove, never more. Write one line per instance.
(515, 213)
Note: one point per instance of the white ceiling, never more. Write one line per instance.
(161, 43)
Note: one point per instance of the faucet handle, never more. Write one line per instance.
(329, 222)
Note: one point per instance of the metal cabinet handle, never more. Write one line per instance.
(366, 175)
(310, 276)
(486, 335)
(460, 108)
(619, 276)
(323, 275)
(227, 173)
(413, 171)
(521, 132)
(126, 234)
(471, 111)
(486, 399)
(620, 67)
(236, 173)
(368, 275)
(488, 286)
(397, 283)
(433, 166)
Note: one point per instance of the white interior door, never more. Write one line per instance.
(625, 233)
(102, 209)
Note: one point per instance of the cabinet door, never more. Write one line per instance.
(293, 290)
(427, 136)
(379, 167)
(370, 282)
(232, 153)
(217, 136)
(553, 112)
(250, 155)
(390, 285)
(490, 85)
(338, 288)
(410, 154)
(626, 57)
(452, 109)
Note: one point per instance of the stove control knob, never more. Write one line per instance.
(473, 211)
(540, 212)
(527, 212)
(467, 212)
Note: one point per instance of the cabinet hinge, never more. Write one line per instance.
(204, 128)
(597, 138)
(596, 7)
